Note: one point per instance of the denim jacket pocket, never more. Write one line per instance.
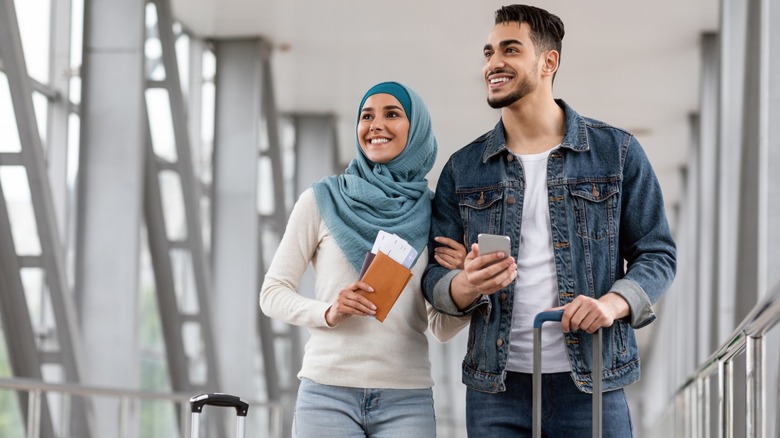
(595, 207)
(480, 211)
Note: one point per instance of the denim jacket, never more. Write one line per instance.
(609, 233)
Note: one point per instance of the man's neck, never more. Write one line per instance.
(533, 125)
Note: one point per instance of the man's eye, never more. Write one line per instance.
(487, 54)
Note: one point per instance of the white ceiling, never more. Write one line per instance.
(634, 64)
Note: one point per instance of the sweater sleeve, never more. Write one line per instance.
(445, 327)
(279, 297)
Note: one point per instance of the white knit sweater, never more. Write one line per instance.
(360, 352)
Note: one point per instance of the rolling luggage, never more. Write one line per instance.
(223, 400)
(556, 315)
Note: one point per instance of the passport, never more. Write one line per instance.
(387, 277)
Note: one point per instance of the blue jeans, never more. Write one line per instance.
(566, 412)
(323, 411)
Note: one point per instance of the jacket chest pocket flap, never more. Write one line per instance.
(480, 211)
(595, 205)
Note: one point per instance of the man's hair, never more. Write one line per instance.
(546, 28)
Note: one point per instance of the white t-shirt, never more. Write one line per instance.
(536, 288)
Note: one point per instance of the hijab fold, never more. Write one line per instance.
(394, 196)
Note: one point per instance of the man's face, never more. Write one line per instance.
(511, 69)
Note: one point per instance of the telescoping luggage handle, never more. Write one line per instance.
(556, 315)
(222, 400)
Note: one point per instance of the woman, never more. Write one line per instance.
(361, 377)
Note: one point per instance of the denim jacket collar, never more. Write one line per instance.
(576, 137)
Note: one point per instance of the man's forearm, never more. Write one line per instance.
(463, 294)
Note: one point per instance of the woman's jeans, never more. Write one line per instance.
(566, 412)
(323, 411)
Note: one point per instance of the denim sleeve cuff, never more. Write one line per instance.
(641, 308)
(442, 299)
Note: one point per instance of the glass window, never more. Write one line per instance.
(41, 106)
(9, 134)
(16, 189)
(76, 33)
(183, 58)
(34, 18)
(173, 206)
(161, 123)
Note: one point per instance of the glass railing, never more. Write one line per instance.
(705, 405)
(138, 413)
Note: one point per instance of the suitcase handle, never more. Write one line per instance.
(218, 399)
(557, 315)
(550, 315)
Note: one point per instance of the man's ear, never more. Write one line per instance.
(551, 58)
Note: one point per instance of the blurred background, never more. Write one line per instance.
(150, 152)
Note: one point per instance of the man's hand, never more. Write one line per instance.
(482, 275)
(588, 314)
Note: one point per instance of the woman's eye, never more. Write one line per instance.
(365, 116)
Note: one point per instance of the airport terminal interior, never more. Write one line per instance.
(151, 152)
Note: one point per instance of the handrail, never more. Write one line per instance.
(764, 315)
(35, 388)
(748, 337)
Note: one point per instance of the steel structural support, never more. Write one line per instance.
(707, 221)
(244, 101)
(109, 196)
(770, 90)
(234, 246)
(316, 149)
(180, 321)
(27, 355)
(733, 23)
(59, 111)
(272, 228)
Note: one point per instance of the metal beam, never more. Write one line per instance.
(174, 319)
(32, 154)
(109, 187)
(234, 225)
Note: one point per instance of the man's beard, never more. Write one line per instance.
(523, 89)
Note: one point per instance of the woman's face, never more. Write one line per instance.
(383, 128)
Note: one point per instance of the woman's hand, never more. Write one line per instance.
(451, 255)
(349, 303)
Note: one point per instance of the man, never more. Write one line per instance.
(584, 212)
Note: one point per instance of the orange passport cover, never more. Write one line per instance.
(388, 278)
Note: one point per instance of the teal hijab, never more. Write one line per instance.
(393, 196)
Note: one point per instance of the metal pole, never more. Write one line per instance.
(537, 384)
(34, 414)
(725, 399)
(195, 424)
(596, 377)
(185, 424)
(755, 392)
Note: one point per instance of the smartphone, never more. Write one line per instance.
(490, 243)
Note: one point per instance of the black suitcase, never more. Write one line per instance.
(216, 399)
(556, 315)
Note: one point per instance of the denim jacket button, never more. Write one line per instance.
(510, 157)
(502, 296)
(510, 200)
(500, 342)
